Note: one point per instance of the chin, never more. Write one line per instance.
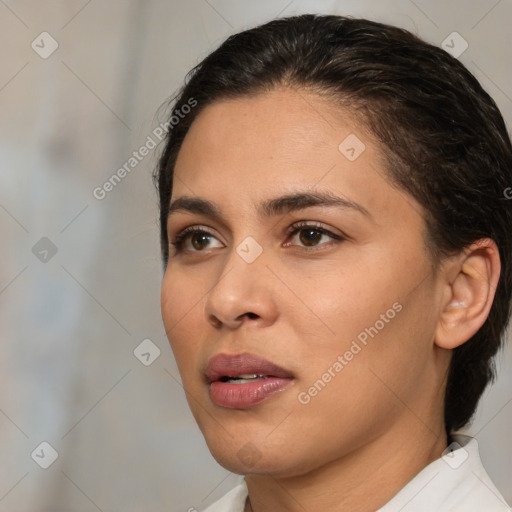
(246, 457)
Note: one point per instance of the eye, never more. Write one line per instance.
(198, 237)
(310, 234)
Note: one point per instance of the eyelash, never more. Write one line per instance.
(294, 229)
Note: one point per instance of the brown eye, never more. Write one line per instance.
(308, 235)
(199, 240)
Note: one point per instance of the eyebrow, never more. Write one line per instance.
(270, 207)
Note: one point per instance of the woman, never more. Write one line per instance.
(337, 253)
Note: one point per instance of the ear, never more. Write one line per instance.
(471, 284)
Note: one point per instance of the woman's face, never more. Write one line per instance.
(340, 297)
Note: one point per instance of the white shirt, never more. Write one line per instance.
(457, 482)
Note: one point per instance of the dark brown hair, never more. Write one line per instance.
(443, 136)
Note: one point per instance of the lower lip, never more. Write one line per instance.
(241, 396)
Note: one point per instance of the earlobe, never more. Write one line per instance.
(469, 295)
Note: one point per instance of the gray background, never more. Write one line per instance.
(69, 324)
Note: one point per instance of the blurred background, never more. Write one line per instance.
(92, 413)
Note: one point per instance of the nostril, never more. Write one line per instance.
(215, 321)
(250, 315)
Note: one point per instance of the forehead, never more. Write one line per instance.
(279, 123)
(245, 150)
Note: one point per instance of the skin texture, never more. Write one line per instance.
(379, 421)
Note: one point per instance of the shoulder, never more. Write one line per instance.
(232, 501)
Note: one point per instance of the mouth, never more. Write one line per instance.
(240, 381)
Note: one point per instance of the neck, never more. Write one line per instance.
(361, 481)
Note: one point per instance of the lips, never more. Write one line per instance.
(225, 365)
(244, 380)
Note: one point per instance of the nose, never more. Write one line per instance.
(244, 292)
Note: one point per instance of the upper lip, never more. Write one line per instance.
(233, 365)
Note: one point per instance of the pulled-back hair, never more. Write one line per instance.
(443, 138)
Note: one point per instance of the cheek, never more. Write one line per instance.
(367, 309)
(386, 346)
(181, 304)
(341, 297)
(181, 294)
(360, 378)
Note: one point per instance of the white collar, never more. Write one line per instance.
(457, 482)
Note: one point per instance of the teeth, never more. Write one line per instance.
(244, 378)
